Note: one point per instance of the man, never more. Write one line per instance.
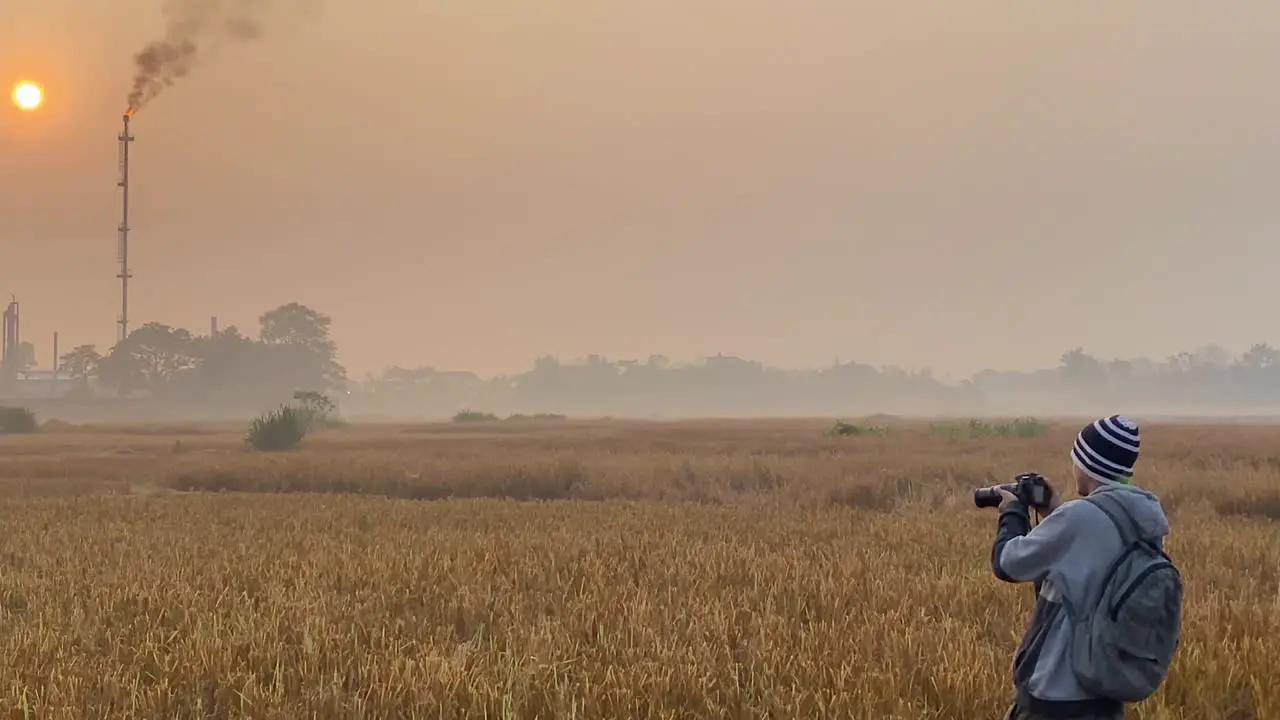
(1067, 556)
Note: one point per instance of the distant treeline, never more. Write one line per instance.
(228, 372)
(222, 373)
(1202, 382)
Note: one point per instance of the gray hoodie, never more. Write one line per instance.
(1066, 556)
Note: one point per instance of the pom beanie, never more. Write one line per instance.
(1107, 449)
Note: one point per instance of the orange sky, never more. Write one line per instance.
(470, 185)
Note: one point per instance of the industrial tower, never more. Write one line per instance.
(123, 247)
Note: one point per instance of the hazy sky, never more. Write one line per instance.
(470, 184)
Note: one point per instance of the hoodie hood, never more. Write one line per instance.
(1142, 505)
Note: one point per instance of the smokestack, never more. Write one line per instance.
(53, 384)
(213, 326)
(122, 232)
(12, 334)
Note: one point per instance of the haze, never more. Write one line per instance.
(473, 184)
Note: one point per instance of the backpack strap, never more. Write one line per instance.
(1119, 516)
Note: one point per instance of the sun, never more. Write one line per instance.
(28, 95)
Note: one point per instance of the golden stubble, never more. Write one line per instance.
(723, 570)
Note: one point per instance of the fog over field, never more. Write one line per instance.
(849, 192)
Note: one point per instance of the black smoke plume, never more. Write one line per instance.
(193, 28)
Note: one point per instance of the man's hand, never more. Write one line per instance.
(1006, 497)
(1055, 500)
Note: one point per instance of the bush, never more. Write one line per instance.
(1023, 427)
(17, 420)
(473, 416)
(317, 408)
(844, 429)
(279, 429)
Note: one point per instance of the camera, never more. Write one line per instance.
(1030, 489)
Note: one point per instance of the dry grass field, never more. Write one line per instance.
(753, 569)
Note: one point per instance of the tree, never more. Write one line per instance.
(1183, 363)
(225, 358)
(24, 357)
(295, 324)
(1080, 368)
(80, 362)
(302, 350)
(149, 358)
(1211, 356)
(1120, 371)
(20, 357)
(1260, 356)
(316, 407)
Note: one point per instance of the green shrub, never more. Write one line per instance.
(537, 416)
(317, 408)
(17, 420)
(1023, 427)
(279, 429)
(473, 416)
(844, 429)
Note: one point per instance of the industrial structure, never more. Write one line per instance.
(123, 248)
(12, 336)
(18, 377)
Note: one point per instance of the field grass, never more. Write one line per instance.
(525, 569)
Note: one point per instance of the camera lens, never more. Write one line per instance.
(986, 498)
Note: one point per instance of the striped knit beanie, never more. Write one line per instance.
(1107, 449)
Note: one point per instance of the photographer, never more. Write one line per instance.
(1067, 556)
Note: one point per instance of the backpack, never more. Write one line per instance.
(1124, 639)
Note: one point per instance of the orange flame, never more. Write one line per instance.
(129, 113)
